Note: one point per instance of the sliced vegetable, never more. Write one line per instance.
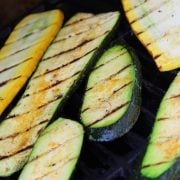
(156, 24)
(163, 149)
(56, 152)
(22, 51)
(63, 66)
(112, 98)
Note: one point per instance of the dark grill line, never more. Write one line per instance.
(155, 164)
(77, 21)
(18, 152)
(52, 85)
(95, 68)
(9, 55)
(22, 132)
(31, 33)
(79, 33)
(134, 7)
(71, 159)
(114, 92)
(157, 56)
(111, 76)
(17, 115)
(109, 113)
(10, 67)
(54, 148)
(64, 65)
(176, 96)
(167, 118)
(7, 81)
(147, 13)
(85, 42)
(56, 98)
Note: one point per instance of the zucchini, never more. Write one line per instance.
(111, 102)
(55, 154)
(163, 149)
(62, 67)
(155, 23)
(22, 51)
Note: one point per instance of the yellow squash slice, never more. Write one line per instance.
(22, 51)
(157, 26)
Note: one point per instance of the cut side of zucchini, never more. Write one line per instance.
(156, 24)
(163, 149)
(22, 51)
(63, 66)
(111, 102)
(56, 152)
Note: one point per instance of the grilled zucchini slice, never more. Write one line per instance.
(22, 51)
(55, 154)
(63, 66)
(163, 149)
(155, 23)
(112, 98)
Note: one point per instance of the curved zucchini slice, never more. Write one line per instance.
(112, 98)
(56, 152)
(22, 51)
(155, 23)
(163, 149)
(63, 66)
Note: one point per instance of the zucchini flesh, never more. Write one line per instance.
(164, 145)
(56, 152)
(22, 51)
(62, 67)
(112, 98)
(156, 24)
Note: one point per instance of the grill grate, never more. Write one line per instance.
(114, 160)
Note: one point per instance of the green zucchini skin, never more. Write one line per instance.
(80, 46)
(173, 173)
(56, 152)
(160, 160)
(126, 122)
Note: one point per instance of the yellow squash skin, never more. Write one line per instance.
(155, 23)
(13, 75)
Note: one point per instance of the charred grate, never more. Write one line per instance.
(114, 160)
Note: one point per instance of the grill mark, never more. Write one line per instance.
(53, 85)
(39, 107)
(20, 151)
(136, 6)
(56, 98)
(72, 49)
(155, 164)
(157, 56)
(77, 21)
(162, 119)
(64, 65)
(147, 13)
(122, 87)
(79, 33)
(9, 55)
(111, 76)
(167, 118)
(114, 92)
(31, 33)
(175, 96)
(109, 113)
(110, 60)
(22, 132)
(21, 27)
(7, 81)
(71, 159)
(10, 67)
(54, 148)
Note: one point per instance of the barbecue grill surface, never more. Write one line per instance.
(114, 160)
